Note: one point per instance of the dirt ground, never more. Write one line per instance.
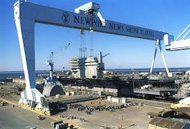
(133, 117)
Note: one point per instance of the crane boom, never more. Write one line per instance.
(50, 62)
(105, 55)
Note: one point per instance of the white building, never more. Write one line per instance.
(89, 67)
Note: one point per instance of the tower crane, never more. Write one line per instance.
(51, 88)
(91, 9)
(105, 55)
(51, 64)
(51, 61)
(100, 57)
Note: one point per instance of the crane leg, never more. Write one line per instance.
(163, 58)
(30, 96)
(154, 58)
(162, 55)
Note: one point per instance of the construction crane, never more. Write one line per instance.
(51, 61)
(51, 86)
(100, 57)
(105, 55)
(51, 64)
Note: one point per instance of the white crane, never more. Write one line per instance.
(51, 61)
(51, 87)
(182, 42)
(158, 44)
(26, 14)
(91, 9)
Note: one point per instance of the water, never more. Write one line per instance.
(137, 70)
(20, 74)
(6, 75)
(16, 74)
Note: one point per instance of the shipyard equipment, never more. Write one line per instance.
(103, 56)
(51, 88)
(82, 49)
(50, 62)
(91, 9)
(26, 14)
(158, 44)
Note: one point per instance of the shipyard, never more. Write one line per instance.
(88, 83)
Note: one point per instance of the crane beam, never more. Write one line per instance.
(53, 16)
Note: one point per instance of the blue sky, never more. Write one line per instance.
(171, 16)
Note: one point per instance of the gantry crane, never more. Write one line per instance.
(26, 14)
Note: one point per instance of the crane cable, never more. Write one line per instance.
(91, 42)
(92, 37)
(82, 49)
